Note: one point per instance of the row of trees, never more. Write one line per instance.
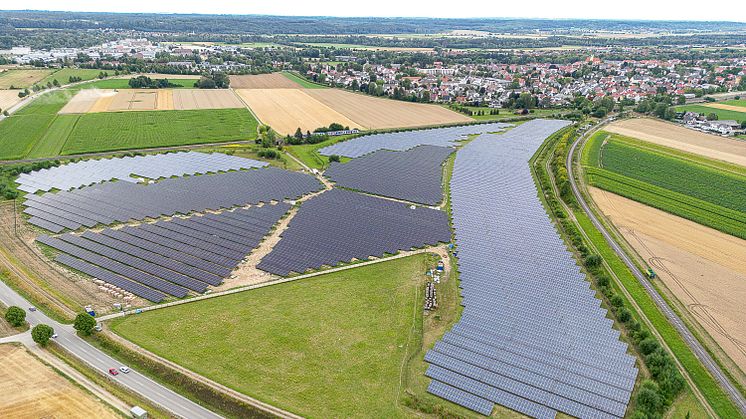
(15, 316)
(145, 82)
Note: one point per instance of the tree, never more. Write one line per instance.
(41, 333)
(84, 323)
(15, 316)
(334, 158)
(298, 134)
(712, 116)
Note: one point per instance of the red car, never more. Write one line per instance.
(113, 371)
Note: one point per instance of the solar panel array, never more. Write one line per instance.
(532, 336)
(155, 166)
(171, 257)
(340, 225)
(415, 175)
(110, 202)
(401, 141)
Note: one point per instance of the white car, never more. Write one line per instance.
(54, 336)
(124, 369)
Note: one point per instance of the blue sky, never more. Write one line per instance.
(732, 10)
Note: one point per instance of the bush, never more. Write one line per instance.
(624, 315)
(41, 333)
(593, 261)
(334, 158)
(616, 301)
(15, 316)
(649, 345)
(648, 399)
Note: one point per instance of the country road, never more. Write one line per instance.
(134, 381)
(699, 351)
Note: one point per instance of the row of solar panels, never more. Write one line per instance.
(338, 225)
(414, 175)
(112, 202)
(168, 257)
(401, 141)
(154, 166)
(532, 336)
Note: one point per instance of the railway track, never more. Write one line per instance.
(699, 351)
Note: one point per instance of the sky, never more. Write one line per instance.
(731, 10)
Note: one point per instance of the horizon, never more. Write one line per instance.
(667, 11)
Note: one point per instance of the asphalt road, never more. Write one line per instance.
(699, 351)
(136, 382)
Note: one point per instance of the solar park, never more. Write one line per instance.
(532, 336)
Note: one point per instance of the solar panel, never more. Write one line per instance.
(415, 175)
(338, 225)
(532, 329)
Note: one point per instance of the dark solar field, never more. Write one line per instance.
(340, 225)
(169, 257)
(415, 175)
(111, 202)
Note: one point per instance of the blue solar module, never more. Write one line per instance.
(337, 226)
(532, 329)
(415, 175)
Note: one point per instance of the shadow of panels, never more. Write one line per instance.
(112, 202)
(405, 140)
(339, 226)
(152, 166)
(532, 336)
(151, 260)
(415, 175)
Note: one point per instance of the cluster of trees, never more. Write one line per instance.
(666, 383)
(659, 105)
(145, 82)
(214, 80)
(9, 173)
(475, 112)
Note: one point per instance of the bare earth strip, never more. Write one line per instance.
(8, 98)
(726, 107)
(263, 81)
(680, 138)
(287, 109)
(377, 113)
(30, 389)
(703, 267)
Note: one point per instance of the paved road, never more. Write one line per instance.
(138, 383)
(672, 317)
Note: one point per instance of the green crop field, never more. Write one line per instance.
(722, 114)
(302, 81)
(63, 75)
(708, 194)
(129, 130)
(37, 131)
(329, 346)
(736, 102)
(124, 84)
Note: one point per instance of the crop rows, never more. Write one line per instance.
(702, 212)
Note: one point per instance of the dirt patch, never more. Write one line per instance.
(377, 113)
(726, 107)
(287, 109)
(20, 79)
(184, 99)
(30, 389)
(8, 98)
(88, 100)
(263, 81)
(703, 267)
(680, 138)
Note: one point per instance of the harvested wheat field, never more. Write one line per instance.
(8, 98)
(378, 113)
(20, 79)
(726, 107)
(263, 81)
(287, 109)
(31, 389)
(105, 100)
(703, 267)
(680, 138)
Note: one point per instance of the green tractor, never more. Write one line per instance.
(651, 275)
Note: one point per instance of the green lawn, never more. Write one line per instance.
(735, 102)
(130, 130)
(302, 81)
(329, 346)
(722, 114)
(63, 75)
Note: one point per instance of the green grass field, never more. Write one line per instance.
(707, 194)
(20, 133)
(124, 84)
(722, 114)
(106, 131)
(63, 75)
(329, 346)
(506, 113)
(302, 81)
(735, 102)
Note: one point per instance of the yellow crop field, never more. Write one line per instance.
(106, 100)
(263, 81)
